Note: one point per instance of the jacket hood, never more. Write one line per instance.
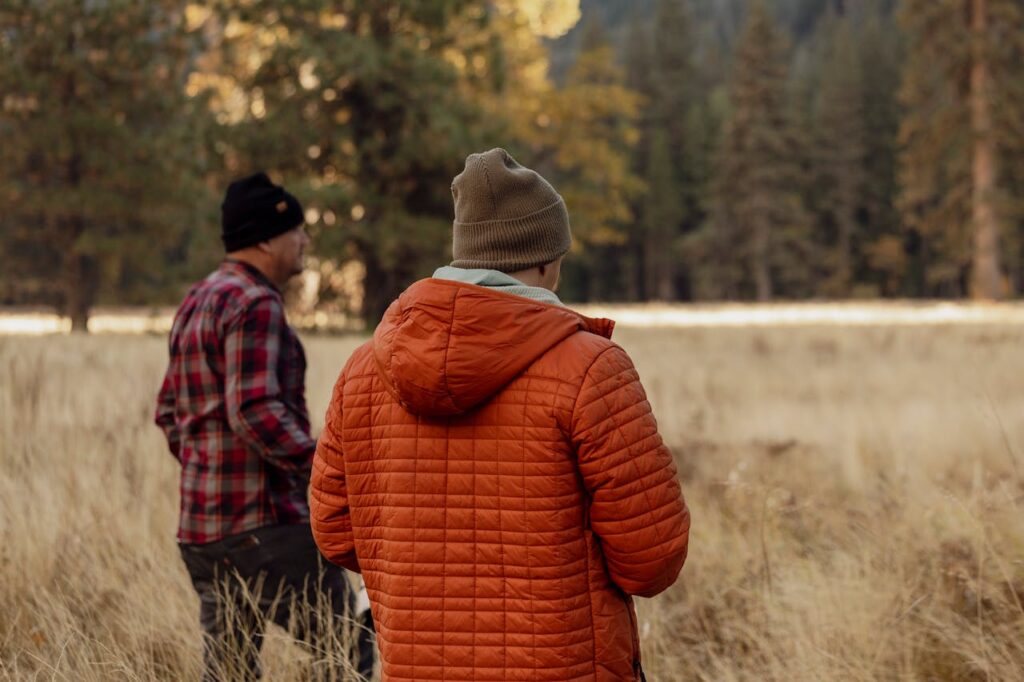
(443, 347)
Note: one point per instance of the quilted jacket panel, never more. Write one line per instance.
(492, 467)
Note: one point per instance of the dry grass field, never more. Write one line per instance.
(857, 500)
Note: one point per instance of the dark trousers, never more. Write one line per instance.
(276, 573)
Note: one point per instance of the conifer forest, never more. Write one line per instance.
(708, 150)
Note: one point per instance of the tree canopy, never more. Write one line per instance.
(707, 149)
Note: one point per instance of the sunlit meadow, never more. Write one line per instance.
(856, 494)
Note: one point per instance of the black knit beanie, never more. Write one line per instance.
(255, 210)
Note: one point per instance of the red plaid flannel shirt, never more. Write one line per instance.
(233, 408)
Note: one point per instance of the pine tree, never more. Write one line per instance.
(963, 57)
(662, 211)
(661, 66)
(365, 110)
(986, 275)
(1010, 124)
(639, 73)
(97, 154)
(760, 226)
(934, 176)
(840, 159)
(673, 73)
(673, 101)
(585, 147)
(883, 238)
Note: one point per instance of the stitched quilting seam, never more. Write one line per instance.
(645, 491)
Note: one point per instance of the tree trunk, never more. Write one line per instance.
(658, 269)
(81, 282)
(378, 290)
(666, 284)
(383, 283)
(633, 272)
(986, 278)
(844, 265)
(762, 272)
(595, 287)
(650, 268)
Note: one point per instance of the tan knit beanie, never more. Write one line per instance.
(507, 217)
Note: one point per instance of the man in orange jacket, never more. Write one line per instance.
(490, 462)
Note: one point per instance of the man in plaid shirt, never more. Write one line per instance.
(233, 409)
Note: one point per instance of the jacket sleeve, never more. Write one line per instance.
(637, 508)
(165, 417)
(255, 409)
(328, 498)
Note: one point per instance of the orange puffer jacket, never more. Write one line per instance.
(491, 466)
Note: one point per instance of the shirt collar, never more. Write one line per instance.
(250, 270)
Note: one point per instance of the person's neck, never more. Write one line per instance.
(258, 261)
(532, 278)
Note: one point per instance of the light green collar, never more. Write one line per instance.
(497, 280)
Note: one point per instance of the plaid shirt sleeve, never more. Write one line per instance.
(165, 417)
(255, 408)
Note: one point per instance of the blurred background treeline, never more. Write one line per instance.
(707, 149)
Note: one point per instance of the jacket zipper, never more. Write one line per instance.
(638, 671)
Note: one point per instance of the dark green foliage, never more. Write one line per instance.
(840, 159)
(98, 162)
(672, 157)
(882, 238)
(706, 148)
(663, 212)
(844, 83)
(359, 111)
(934, 164)
(674, 169)
(759, 232)
(940, 137)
